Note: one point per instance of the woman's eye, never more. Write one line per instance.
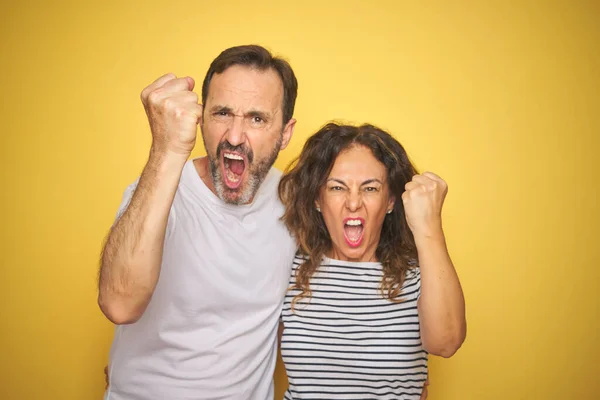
(370, 189)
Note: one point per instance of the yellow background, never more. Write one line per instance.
(501, 98)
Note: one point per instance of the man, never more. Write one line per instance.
(195, 268)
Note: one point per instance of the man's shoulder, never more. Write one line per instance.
(271, 182)
(276, 174)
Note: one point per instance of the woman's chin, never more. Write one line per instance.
(349, 253)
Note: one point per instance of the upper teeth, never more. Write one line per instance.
(354, 222)
(232, 156)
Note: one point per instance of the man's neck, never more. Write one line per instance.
(201, 165)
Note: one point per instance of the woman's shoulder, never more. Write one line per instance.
(300, 258)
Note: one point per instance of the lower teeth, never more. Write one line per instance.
(231, 176)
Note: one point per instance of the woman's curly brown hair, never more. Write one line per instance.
(300, 186)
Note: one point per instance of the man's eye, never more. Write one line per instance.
(221, 114)
(257, 120)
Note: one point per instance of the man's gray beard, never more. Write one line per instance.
(256, 175)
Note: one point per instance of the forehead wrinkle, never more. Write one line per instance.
(241, 88)
(358, 162)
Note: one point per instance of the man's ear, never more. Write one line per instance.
(287, 133)
(201, 114)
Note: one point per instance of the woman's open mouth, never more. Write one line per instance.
(354, 229)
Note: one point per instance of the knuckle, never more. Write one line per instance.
(168, 103)
(172, 106)
(181, 113)
(154, 96)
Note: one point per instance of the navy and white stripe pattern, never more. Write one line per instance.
(349, 342)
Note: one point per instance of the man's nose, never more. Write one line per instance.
(236, 134)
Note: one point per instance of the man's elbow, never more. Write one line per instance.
(117, 311)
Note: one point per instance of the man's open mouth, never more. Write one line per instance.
(234, 167)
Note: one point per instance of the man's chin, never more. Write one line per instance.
(231, 196)
(234, 196)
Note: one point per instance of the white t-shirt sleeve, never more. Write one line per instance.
(126, 199)
(127, 195)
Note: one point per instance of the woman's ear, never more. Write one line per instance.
(391, 203)
(317, 206)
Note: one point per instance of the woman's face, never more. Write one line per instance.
(354, 202)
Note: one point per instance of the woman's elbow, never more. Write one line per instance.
(445, 351)
(447, 345)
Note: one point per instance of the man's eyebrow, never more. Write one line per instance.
(257, 113)
(252, 113)
(220, 108)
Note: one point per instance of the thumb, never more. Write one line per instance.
(191, 82)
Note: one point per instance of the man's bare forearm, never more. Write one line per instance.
(132, 256)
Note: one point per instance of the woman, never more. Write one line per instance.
(373, 289)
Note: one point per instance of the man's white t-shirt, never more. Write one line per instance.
(210, 330)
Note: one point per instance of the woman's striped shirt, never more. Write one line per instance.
(348, 341)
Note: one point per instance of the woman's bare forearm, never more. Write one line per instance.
(442, 304)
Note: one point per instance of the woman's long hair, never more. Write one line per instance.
(299, 190)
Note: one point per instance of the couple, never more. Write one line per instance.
(205, 253)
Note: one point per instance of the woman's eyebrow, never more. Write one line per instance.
(337, 180)
(372, 180)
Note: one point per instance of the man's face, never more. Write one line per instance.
(243, 131)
